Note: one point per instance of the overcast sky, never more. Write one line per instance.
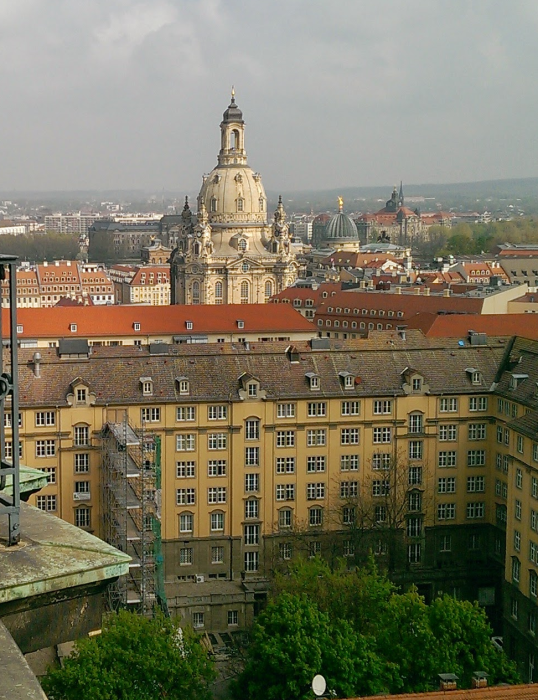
(102, 94)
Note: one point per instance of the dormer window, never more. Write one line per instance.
(313, 380)
(73, 327)
(81, 395)
(292, 354)
(417, 384)
(188, 325)
(183, 386)
(474, 375)
(147, 386)
(240, 324)
(348, 379)
(19, 328)
(136, 326)
(516, 379)
(252, 390)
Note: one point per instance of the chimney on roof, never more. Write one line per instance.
(479, 680)
(448, 681)
(447, 292)
(417, 291)
(37, 364)
(427, 292)
(398, 290)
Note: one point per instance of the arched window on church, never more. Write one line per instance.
(240, 204)
(213, 204)
(218, 292)
(195, 290)
(234, 139)
(268, 289)
(197, 248)
(242, 245)
(244, 292)
(261, 204)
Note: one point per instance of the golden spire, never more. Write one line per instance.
(340, 203)
(233, 93)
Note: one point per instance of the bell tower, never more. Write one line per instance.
(232, 136)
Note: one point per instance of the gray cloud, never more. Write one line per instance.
(129, 93)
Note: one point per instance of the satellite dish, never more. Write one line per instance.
(319, 685)
(461, 343)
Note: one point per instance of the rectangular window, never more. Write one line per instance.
(46, 503)
(534, 487)
(516, 570)
(535, 451)
(285, 492)
(448, 404)
(185, 558)
(445, 543)
(446, 458)
(252, 483)
(233, 618)
(351, 408)
(476, 509)
(446, 484)
(251, 534)
(414, 527)
(284, 518)
(150, 414)
(499, 434)
(416, 449)
(252, 456)
(506, 437)
(315, 491)
(216, 522)
(315, 517)
(448, 432)
(476, 431)
(185, 497)
(185, 413)
(81, 436)
(252, 429)
(416, 423)
(315, 464)
(476, 484)
(217, 412)
(380, 487)
(83, 517)
(348, 548)
(382, 435)
(414, 553)
(82, 463)
(185, 470)
(316, 438)
(285, 438)
(349, 489)
(478, 403)
(42, 418)
(415, 476)
(197, 617)
(382, 408)
(216, 494)
(520, 444)
(349, 463)
(517, 509)
(348, 515)
(44, 448)
(285, 465)
(519, 478)
(446, 511)
(285, 410)
(217, 555)
(414, 502)
(216, 467)
(252, 561)
(251, 509)
(476, 458)
(82, 487)
(186, 442)
(186, 522)
(517, 540)
(216, 441)
(317, 409)
(349, 436)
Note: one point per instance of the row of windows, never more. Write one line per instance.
(447, 511)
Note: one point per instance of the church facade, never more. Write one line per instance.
(228, 253)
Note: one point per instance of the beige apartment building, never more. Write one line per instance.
(421, 451)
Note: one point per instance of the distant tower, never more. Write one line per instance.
(401, 196)
(230, 254)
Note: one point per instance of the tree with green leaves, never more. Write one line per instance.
(134, 658)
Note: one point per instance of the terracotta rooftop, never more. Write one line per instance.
(505, 692)
(119, 320)
(458, 325)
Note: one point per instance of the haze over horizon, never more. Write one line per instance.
(129, 94)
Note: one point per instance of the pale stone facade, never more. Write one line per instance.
(229, 254)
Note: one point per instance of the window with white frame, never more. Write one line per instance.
(446, 458)
(284, 550)
(519, 478)
(315, 491)
(476, 431)
(349, 463)
(414, 477)
(285, 465)
(446, 484)
(380, 487)
(82, 462)
(478, 403)
(476, 509)
(197, 617)
(516, 569)
(185, 470)
(448, 432)
(183, 387)
(216, 522)
(382, 435)
(476, 458)
(185, 497)
(446, 511)
(216, 494)
(315, 464)
(252, 429)
(251, 535)
(316, 409)
(252, 561)
(44, 448)
(218, 412)
(217, 555)
(382, 407)
(414, 502)
(252, 390)
(285, 517)
(414, 526)
(252, 483)
(315, 517)
(185, 413)
(416, 423)
(349, 489)
(285, 438)
(186, 523)
(186, 442)
(381, 461)
(349, 436)
(252, 456)
(150, 414)
(216, 467)
(285, 410)
(252, 508)
(448, 404)
(316, 437)
(42, 419)
(351, 408)
(349, 515)
(414, 553)
(476, 484)
(416, 449)
(285, 492)
(83, 517)
(48, 503)
(216, 441)
(445, 543)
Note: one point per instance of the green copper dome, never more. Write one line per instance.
(341, 226)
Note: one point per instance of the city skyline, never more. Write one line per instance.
(126, 94)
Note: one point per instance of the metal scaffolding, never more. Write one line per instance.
(130, 492)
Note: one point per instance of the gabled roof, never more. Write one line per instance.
(458, 325)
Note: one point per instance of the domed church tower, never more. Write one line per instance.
(228, 253)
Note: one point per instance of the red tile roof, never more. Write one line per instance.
(504, 692)
(99, 321)
(457, 325)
